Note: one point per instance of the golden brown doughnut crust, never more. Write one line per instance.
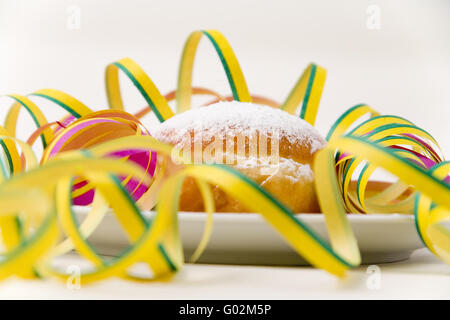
(289, 178)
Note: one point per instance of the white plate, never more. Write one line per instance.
(245, 238)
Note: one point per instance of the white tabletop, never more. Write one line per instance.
(422, 276)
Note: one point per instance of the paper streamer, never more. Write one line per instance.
(108, 160)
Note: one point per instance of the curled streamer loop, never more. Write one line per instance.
(229, 62)
(309, 90)
(305, 241)
(36, 114)
(396, 134)
(430, 216)
(98, 127)
(65, 101)
(141, 81)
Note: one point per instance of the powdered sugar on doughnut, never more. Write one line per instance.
(287, 168)
(228, 118)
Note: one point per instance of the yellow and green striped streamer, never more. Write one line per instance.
(229, 62)
(430, 216)
(35, 113)
(65, 101)
(309, 90)
(303, 239)
(141, 81)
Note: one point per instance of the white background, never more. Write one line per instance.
(403, 68)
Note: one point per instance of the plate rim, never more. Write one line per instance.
(313, 217)
(391, 217)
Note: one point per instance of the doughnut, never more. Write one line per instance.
(268, 145)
